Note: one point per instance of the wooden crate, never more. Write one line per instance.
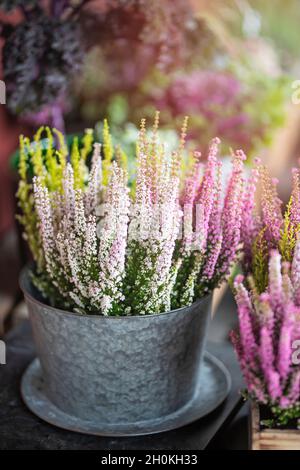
(270, 439)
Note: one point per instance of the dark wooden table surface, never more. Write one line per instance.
(225, 428)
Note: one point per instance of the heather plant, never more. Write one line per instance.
(269, 327)
(101, 246)
(269, 226)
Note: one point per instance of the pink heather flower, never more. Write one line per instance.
(294, 391)
(268, 325)
(284, 402)
(274, 388)
(192, 183)
(215, 234)
(295, 207)
(93, 192)
(267, 359)
(284, 354)
(255, 385)
(275, 281)
(266, 350)
(246, 334)
(207, 189)
(243, 299)
(265, 315)
(287, 286)
(271, 206)
(285, 342)
(249, 225)
(213, 256)
(251, 380)
(296, 329)
(295, 274)
(232, 214)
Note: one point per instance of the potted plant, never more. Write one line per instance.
(268, 337)
(119, 301)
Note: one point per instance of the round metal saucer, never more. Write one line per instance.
(213, 387)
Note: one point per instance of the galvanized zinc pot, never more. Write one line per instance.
(121, 369)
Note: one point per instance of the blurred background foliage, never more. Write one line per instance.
(224, 63)
(227, 64)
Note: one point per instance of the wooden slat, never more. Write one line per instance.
(254, 427)
(271, 439)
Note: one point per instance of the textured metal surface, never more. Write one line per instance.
(21, 429)
(212, 388)
(119, 370)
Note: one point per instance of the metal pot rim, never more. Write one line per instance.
(24, 282)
